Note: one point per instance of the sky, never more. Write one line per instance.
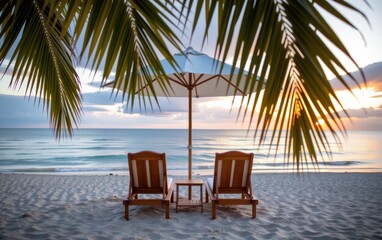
(102, 110)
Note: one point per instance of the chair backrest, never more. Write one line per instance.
(232, 172)
(147, 172)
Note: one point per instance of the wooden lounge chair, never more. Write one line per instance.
(232, 175)
(148, 175)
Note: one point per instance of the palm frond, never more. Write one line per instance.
(41, 50)
(125, 36)
(285, 45)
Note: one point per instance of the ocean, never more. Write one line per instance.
(104, 151)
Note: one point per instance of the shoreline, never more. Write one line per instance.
(318, 205)
(183, 173)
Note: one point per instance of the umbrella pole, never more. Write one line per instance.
(190, 136)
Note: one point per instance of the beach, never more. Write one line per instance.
(291, 206)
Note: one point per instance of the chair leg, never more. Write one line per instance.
(206, 196)
(126, 211)
(167, 210)
(213, 210)
(253, 210)
(172, 198)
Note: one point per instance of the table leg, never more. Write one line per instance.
(201, 196)
(189, 192)
(177, 197)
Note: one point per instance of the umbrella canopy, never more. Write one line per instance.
(198, 75)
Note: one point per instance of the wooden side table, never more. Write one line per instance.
(189, 202)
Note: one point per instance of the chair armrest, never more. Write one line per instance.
(170, 191)
(209, 191)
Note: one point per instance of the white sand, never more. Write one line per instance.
(323, 206)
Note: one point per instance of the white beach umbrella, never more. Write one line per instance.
(198, 76)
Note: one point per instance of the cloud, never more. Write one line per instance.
(17, 111)
(90, 108)
(106, 98)
(6, 69)
(170, 105)
(365, 113)
(363, 119)
(363, 124)
(101, 98)
(373, 74)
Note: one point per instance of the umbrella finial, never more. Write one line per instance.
(190, 50)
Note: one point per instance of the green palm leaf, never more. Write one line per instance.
(285, 44)
(41, 50)
(125, 36)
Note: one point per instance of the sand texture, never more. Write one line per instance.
(315, 206)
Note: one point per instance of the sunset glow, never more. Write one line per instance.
(362, 98)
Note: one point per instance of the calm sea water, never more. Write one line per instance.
(104, 150)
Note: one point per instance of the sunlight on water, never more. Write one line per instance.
(104, 150)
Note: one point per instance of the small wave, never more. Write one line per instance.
(9, 148)
(205, 167)
(87, 158)
(104, 140)
(342, 163)
(99, 169)
(62, 170)
(333, 163)
(261, 155)
(28, 170)
(15, 140)
(193, 167)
